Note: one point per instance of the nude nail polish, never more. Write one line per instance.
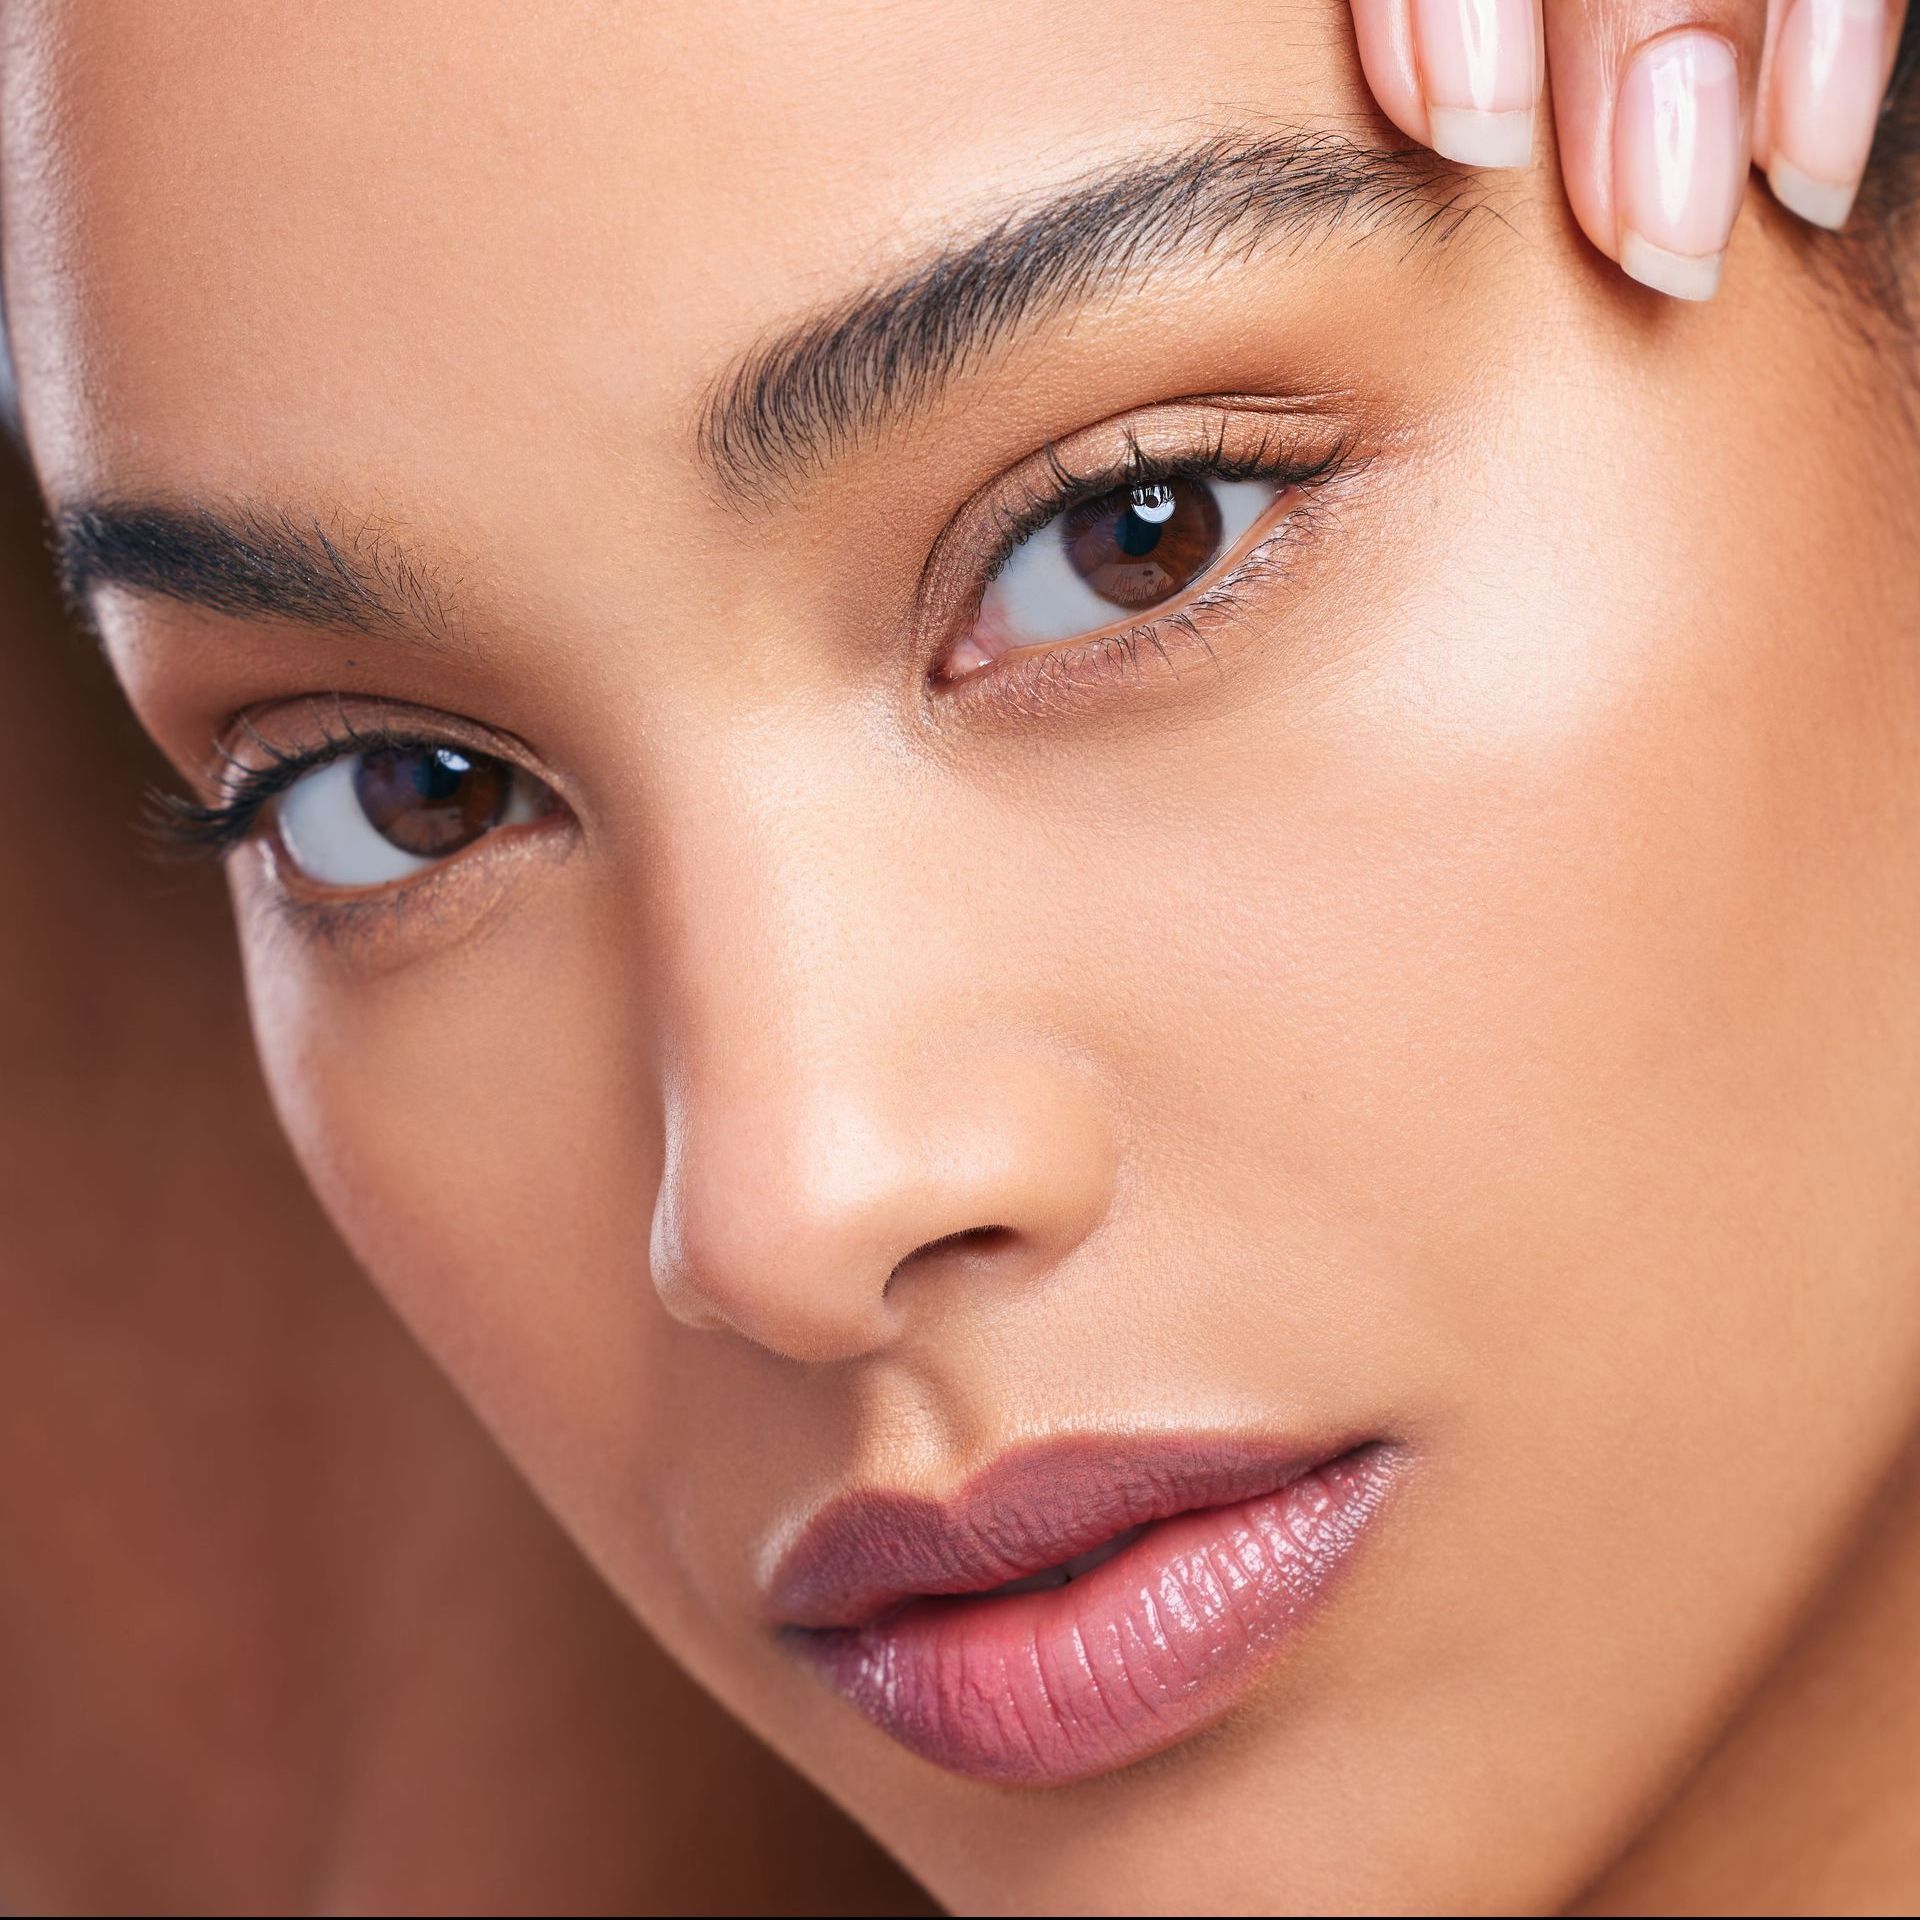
(1829, 70)
(1481, 64)
(1680, 156)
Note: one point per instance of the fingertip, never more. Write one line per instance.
(1480, 65)
(1680, 276)
(1821, 203)
(1829, 76)
(1681, 161)
(1475, 139)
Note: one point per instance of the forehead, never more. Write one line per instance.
(244, 240)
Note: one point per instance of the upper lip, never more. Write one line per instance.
(868, 1552)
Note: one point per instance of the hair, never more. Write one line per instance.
(1899, 138)
(1880, 238)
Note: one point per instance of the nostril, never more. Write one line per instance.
(973, 1239)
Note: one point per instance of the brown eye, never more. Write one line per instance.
(370, 818)
(1125, 552)
(431, 801)
(1143, 545)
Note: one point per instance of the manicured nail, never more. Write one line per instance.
(1481, 64)
(1829, 70)
(1679, 162)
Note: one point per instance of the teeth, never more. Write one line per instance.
(1077, 1568)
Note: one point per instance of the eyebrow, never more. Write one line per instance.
(813, 389)
(254, 563)
(794, 401)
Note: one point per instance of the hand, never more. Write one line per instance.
(1660, 106)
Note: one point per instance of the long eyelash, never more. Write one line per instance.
(1037, 681)
(1066, 489)
(182, 827)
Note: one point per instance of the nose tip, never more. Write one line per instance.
(817, 1235)
(799, 1265)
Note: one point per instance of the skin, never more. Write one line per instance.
(1529, 866)
(277, 1623)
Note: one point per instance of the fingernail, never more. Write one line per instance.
(1680, 162)
(1829, 70)
(1480, 70)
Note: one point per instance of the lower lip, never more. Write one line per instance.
(1041, 1689)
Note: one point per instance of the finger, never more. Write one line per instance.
(1384, 31)
(1460, 76)
(1653, 105)
(1831, 63)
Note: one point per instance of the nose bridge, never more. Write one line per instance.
(833, 1103)
(794, 911)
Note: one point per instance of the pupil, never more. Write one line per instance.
(431, 800)
(438, 776)
(1138, 546)
(1148, 511)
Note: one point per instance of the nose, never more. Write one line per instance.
(811, 1214)
(852, 1123)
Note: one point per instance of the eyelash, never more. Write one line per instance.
(215, 829)
(1020, 675)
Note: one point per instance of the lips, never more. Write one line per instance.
(1077, 1606)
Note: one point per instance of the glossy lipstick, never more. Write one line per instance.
(1078, 1605)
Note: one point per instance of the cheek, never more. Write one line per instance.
(1588, 1053)
(1560, 1054)
(481, 1131)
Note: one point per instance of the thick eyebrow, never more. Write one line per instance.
(252, 562)
(796, 399)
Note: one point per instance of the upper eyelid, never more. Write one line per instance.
(1033, 673)
(243, 792)
(1317, 436)
(241, 795)
(1280, 453)
(254, 787)
(1069, 489)
(394, 724)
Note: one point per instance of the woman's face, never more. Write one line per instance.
(1379, 943)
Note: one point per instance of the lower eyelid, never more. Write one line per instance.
(449, 901)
